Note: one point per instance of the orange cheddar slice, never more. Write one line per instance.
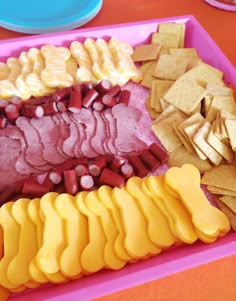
(4, 294)
(27, 245)
(182, 220)
(206, 218)
(76, 238)
(104, 195)
(158, 228)
(93, 203)
(1, 242)
(11, 235)
(33, 212)
(92, 258)
(150, 192)
(136, 241)
(48, 255)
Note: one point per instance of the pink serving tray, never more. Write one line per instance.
(171, 261)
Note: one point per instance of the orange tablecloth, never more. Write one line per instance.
(216, 280)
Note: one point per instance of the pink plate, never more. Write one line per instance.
(168, 262)
(222, 5)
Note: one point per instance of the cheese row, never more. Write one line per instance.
(38, 72)
(62, 237)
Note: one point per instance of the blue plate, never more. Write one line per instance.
(42, 16)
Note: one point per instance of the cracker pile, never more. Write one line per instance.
(193, 111)
(38, 72)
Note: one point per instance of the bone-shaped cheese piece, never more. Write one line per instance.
(137, 241)
(27, 238)
(112, 261)
(92, 258)
(81, 55)
(182, 219)
(55, 74)
(186, 182)
(48, 255)
(104, 195)
(33, 211)
(76, 240)
(158, 228)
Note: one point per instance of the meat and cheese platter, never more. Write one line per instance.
(117, 155)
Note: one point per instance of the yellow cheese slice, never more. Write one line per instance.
(136, 241)
(182, 219)
(48, 255)
(150, 192)
(93, 203)
(76, 235)
(158, 228)
(186, 182)
(92, 258)
(11, 235)
(33, 212)
(27, 245)
(104, 195)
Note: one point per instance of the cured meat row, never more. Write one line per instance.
(34, 145)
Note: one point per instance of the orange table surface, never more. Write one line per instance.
(215, 280)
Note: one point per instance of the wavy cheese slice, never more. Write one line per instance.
(76, 235)
(33, 212)
(182, 219)
(136, 240)
(27, 245)
(11, 234)
(92, 257)
(206, 218)
(104, 195)
(158, 228)
(48, 256)
(112, 261)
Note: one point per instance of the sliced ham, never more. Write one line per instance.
(34, 148)
(49, 136)
(98, 140)
(111, 132)
(127, 119)
(9, 153)
(63, 128)
(86, 118)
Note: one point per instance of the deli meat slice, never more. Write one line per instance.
(70, 142)
(111, 132)
(63, 128)
(86, 118)
(98, 140)
(49, 136)
(34, 149)
(127, 119)
(9, 154)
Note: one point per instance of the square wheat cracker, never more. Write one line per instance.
(221, 191)
(165, 132)
(185, 95)
(195, 118)
(231, 130)
(170, 67)
(223, 176)
(200, 139)
(182, 156)
(167, 40)
(221, 103)
(159, 87)
(222, 148)
(146, 52)
(176, 28)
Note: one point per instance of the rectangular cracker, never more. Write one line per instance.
(223, 176)
(170, 67)
(176, 28)
(182, 156)
(200, 139)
